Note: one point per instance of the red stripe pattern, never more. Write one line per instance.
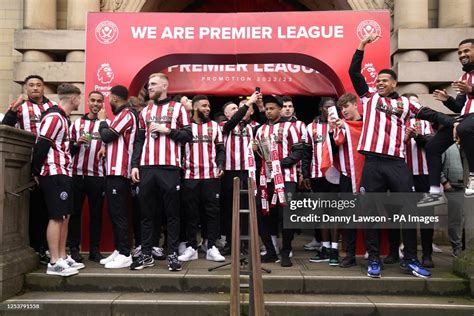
(236, 143)
(286, 136)
(55, 127)
(383, 131)
(415, 155)
(468, 106)
(160, 149)
(119, 151)
(85, 162)
(200, 154)
(29, 115)
(317, 134)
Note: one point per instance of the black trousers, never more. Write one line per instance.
(350, 234)
(136, 220)
(442, 140)
(38, 220)
(422, 185)
(322, 185)
(159, 191)
(226, 202)
(264, 222)
(205, 195)
(379, 175)
(93, 188)
(117, 191)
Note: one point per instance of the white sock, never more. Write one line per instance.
(435, 189)
(326, 244)
(334, 245)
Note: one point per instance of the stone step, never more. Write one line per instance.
(302, 278)
(183, 304)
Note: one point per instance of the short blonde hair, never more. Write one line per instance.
(158, 74)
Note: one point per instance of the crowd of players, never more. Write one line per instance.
(178, 165)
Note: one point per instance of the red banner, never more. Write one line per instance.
(231, 53)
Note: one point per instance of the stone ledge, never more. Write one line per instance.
(429, 72)
(429, 39)
(49, 40)
(52, 72)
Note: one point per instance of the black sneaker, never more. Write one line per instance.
(226, 250)
(391, 259)
(43, 258)
(266, 258)
(431, 199)
(320, 256)
(347, 262)
(427, 262)
(173, 262)
(333, 257)
(286, 261)
(76, 255)
(143, 261)
(95, 256)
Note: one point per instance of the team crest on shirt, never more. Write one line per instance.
(210, 130)
(35, 118)
(318, 138)
(63, 195)
(170, 110)
(279, 136)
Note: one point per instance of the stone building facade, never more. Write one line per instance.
(47, 37)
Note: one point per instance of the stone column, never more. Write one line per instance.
(16, 256)
(455, 13)
(411, 14)
(40, 14)
(77, 12)
(411, 56)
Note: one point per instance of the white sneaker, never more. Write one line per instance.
(60, 268)
(436, 249)
(213, 254)
(109, 258)
(189, 254)
(73, 264)
(181, 248)
(312, 245)
(291, 254)
(120, 261)
(469, 192)
(263, 250)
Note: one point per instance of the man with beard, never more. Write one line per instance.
(461, 132)
(164, 126)
(25, 112)
(382, 142)
(119, 137)
(88, 178)
(204, 163)
(52, 170)
(278, 176)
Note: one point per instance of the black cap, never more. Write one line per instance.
(273, 98)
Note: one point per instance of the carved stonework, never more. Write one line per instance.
(121, 5)
(372, 5)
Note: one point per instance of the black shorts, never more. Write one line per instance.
(57, 192)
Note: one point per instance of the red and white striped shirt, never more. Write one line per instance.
(317, 134)
(286, 136)
(85, 162)
(384, 124)
(468, 105)
(119, 151)
(236, 143)
(159, 149)
(200, 154)
(301, 129)
(29, 115)
(55, 127)
(415, 155)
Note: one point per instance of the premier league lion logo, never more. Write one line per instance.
(105, 74)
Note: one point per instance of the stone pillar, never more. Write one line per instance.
(411, 14)
(40, 14)
(411, 56)
(77, 12)
(16, 256)
(454, 13)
